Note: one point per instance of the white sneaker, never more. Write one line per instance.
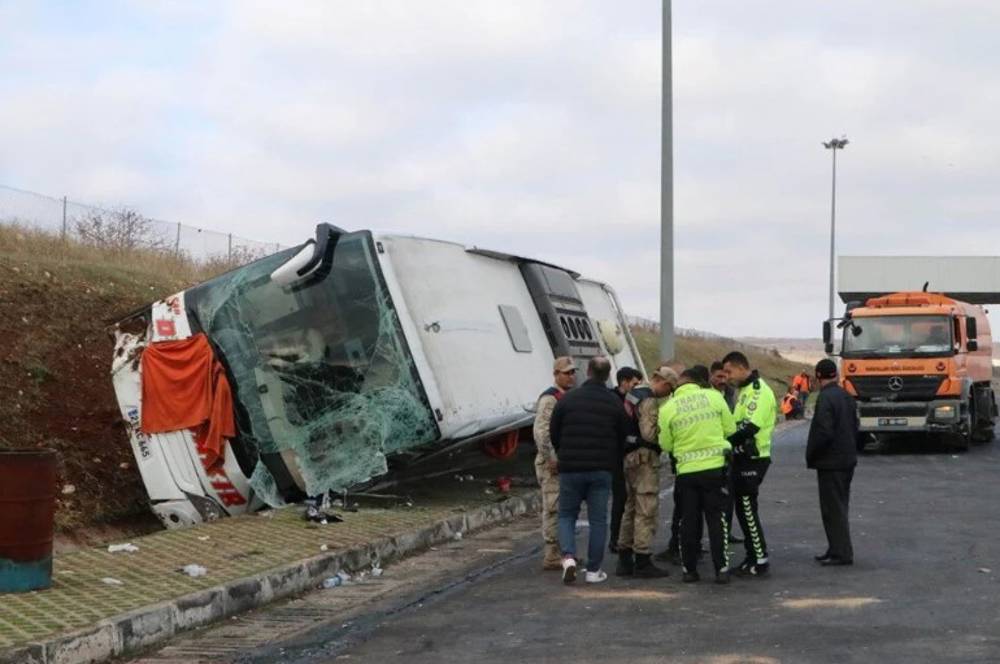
(569, 570)
(597, 577)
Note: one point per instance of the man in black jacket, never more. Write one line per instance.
(832, 451)
(588, 430)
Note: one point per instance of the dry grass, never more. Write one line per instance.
(776, 370)
(45, 248)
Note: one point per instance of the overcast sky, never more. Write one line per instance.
(530, 127)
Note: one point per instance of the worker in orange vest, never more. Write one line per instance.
(791, 407)
(801, 385)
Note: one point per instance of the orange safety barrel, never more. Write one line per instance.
(27, 515)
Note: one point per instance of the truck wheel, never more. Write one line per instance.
(982, 427)
(983, 435)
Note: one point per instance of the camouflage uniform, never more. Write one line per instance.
(547, 480)
(642, 476)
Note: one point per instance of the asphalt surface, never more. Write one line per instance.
(926, 531)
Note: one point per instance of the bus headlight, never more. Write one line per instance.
(944, 413)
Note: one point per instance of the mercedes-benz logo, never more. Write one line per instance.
(895, 383)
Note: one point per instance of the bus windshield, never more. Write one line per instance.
(903, 336)
(322, 376)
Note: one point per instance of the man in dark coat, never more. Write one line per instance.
(588, 431)
(832, 451)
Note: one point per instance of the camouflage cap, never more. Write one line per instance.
(667, 374)
(564, 363)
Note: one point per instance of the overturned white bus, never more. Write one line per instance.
(350, 354)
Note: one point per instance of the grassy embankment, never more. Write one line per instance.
(776, 370)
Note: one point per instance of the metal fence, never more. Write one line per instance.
(76, 221)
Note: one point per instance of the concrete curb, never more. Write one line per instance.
(141, 629)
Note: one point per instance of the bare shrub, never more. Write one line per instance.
(120, 230)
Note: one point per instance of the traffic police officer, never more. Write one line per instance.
(694, 426)
(546, 463)
(642, 477)
(756, 414)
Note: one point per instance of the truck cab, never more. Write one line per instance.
(918, 363)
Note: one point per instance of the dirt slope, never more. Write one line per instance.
(55, 386)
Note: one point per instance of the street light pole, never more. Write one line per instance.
(833, 145)
(666, 194)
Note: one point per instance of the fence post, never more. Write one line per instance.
(64, 219)
(230, 248)
(177, 243)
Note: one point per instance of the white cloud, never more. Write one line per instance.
(531, 127)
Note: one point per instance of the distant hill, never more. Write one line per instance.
(696, 347)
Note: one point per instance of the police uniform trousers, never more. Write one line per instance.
(704, 495)
(549, 483)
(642, 507)
(748, 474)
(834, 503)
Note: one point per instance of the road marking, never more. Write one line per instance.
(623, 594)
(829, 603)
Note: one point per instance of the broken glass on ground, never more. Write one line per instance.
(324, 384)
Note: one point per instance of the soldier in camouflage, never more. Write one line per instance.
(642, 475)
(546, 463)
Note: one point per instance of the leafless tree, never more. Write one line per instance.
(121, 229)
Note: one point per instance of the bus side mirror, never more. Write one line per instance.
(313, 261)
(972, 332)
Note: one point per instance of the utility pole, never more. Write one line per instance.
(666, 195)
(833, 145)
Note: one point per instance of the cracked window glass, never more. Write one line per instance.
(324, 384)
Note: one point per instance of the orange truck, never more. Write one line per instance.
(918, 363)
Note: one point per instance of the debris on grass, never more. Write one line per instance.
(122, 548)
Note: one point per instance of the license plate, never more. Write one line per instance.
(892, 421)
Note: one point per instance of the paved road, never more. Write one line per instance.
(926, 529)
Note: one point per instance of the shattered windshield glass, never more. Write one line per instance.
(324, 383)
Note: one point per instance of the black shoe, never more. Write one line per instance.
(626, 563)
(691, 577)
(836, 562)
(748, 569)
(645, 569)
(722, 578)
(825, 556)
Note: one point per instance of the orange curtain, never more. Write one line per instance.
(185, 387)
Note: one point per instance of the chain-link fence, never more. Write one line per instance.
(124, 228)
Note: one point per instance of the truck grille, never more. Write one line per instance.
(913, 388)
